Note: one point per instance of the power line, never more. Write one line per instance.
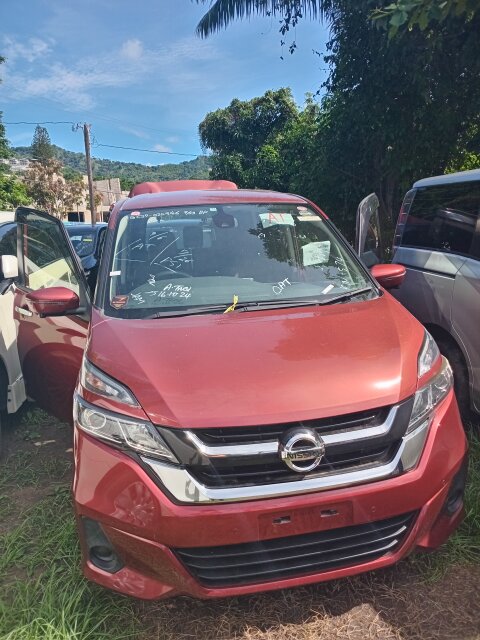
(47, 122)
(169, 153)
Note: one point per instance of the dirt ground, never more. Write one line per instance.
(418, 599)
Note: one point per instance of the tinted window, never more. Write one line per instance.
(167, 259)
(443, 217)
(8, 239)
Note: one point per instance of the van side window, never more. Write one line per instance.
(443, 218)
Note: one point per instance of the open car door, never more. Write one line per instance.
(368, 237)
(51, 311)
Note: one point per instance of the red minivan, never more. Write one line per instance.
(253, 410)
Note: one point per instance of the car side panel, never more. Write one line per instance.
(427, 291)
(466, 320)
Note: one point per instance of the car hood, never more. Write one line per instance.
(262, 367)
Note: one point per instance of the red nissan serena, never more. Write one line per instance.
(253, 410)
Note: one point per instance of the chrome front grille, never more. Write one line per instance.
(243, 463)
(265, 433)
(246, 474)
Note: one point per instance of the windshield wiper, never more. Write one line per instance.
(348, 295)
(190, 311)
(259, 305)
(298, 302)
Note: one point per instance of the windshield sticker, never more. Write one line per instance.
(271, 219)
(115, 273)
(316, 253)
(280, 286)
(135, 214)
(172, 290)
(308, 218)
(118, 302)
(305, 209)
(327, 289)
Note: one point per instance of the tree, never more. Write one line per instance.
(13, 193)
(223, 12)
(244, 139)
(394, 110)
(50, 191)
(4, 148)
(42, 150)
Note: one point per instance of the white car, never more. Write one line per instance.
(12, 388)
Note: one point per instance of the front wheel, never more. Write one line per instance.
(461, 382)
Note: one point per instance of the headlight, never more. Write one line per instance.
(138, 435)
(429, 396)
(98, 382)
(429, 353)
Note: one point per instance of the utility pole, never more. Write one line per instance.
(86, 136)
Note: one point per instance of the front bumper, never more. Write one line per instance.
(144, 525)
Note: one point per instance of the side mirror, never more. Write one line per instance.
(389, 276)
(52, 301)
(9, 267)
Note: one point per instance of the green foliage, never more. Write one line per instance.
(247, 139)
(407, 14)
(394, 110)
(41, 148)
(222, 12)
(128, 172)
(13, 193)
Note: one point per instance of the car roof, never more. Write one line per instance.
(449, 178)
(206, 197)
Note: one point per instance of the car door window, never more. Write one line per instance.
(443, 218)
(47, 261)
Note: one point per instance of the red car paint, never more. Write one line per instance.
(234, 370)
(180, 185)
(143, 523)
(263, 368)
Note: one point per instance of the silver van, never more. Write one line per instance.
(438, 240)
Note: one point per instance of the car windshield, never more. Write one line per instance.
(197, 257)
(83, 241)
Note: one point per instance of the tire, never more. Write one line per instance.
(460, 377)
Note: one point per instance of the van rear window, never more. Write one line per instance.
(443, 218)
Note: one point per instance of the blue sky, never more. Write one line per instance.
(137, 72)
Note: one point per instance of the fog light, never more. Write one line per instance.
(454, 499)
(100, 550)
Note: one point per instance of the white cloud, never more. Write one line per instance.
(180, 68)
(135, 132)
(132, 49)
(29, 50)
(172, 139)
(161, 147)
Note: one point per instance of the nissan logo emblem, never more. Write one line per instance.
(301, 449)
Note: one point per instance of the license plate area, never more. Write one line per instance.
(290, 522)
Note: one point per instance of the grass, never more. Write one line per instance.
(43, 595)
(464, 546)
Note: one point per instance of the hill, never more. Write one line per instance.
(129, 172)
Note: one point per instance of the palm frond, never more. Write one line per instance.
(223, 12)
